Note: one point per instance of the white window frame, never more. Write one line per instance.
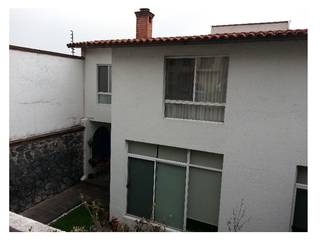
(187, 166)
(193, 102)
(109, 82)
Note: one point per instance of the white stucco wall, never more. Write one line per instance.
(253, 27)
(263, 138)
(93, 110)
(46, 93)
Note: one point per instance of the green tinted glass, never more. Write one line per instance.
(144, 149)
(140, 187)
(170, 190)
(204, 196)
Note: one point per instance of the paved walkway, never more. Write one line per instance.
(53, 207)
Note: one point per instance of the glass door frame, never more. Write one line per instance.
(187, 166)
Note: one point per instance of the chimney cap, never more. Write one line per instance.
(144, 12)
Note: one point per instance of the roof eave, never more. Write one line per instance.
(299, 34)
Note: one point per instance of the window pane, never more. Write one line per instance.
(140, 188)
(179, 79)
(104, 98)
(144, 149)
(302, 176)
(206, 159)
(211, 79)
(103, 79)
(172, 153)
(204, 196)
(109, 78)
(170, 186)
(197, 226)
(300, 220)
(194, 112)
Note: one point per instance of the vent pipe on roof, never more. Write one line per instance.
(144, 23)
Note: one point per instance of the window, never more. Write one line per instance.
(164, 184)
(104, 84)
(195, 88)
(300, 215)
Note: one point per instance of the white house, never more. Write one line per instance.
(203, 123)
(199, 127)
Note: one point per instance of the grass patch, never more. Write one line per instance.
(80, 217)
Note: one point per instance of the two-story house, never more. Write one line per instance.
(195, 125)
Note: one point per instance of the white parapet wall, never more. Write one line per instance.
(46, 92)
(20, 223)
(250, 27)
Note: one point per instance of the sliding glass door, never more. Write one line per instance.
(169, 197)
(177, 187)
(140, 188)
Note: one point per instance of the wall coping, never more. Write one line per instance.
(39, 51)
(20, 223)
(76, 128)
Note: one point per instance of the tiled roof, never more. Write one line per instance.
(255, 36)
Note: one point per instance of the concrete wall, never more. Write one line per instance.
(46, 93)
(253, 27)
(20, 223)
(46, 141)
(93, 110)
(263, 138)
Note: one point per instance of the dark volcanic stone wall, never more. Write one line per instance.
(41, 167)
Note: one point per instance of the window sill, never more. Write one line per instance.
(196, 121)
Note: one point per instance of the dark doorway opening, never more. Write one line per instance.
(101, 146)
(100, 157)
(300, 219)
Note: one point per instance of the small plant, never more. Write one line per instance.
(78, 229)
(144, 225)
(101, 223)
(114, 224)
(117, 226)
(98, 214)
(238, 219)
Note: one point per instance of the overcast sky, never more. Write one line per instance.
(49, 28)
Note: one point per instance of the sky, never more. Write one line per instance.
(49, 28)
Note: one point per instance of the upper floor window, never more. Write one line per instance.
(104, 84)
(196, 88)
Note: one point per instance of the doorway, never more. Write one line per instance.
(100, 144)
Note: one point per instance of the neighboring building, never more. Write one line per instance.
(197, 124)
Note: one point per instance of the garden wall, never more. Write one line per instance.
(46, 139)
(43, 166)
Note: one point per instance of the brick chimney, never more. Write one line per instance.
(144, 23)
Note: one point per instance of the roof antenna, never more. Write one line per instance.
(71, 35)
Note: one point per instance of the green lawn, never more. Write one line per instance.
(80, 216)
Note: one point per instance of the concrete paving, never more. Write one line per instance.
(53, 207)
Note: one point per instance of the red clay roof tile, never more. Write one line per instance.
(262, 35)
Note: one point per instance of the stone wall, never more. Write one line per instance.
(44, 165)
